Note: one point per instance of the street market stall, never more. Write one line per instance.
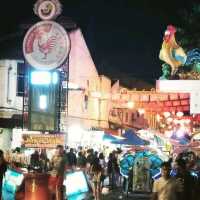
(25, 180)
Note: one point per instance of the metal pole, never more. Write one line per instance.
(23, 97)
(67, 103)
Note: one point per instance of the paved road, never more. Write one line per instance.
(118, 194)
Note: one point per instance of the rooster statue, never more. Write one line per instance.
(171, 52)
(174, 55)
(46, 44)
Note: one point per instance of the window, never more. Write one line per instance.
(126, 119)
(43, 102)
(20, 79)
(133, 117)
(86, 102)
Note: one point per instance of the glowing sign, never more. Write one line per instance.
(44, 77)
(11, 183)
(42, 141)
(46, 45)
(75, 183)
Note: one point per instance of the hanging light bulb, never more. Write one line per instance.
(166, 114)
(130, 104)
(179, 114)
(141, 111)
(169, 120)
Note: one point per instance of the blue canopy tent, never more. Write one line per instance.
(131, 138)
(111, 138)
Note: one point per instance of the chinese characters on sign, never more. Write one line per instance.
(42, 141)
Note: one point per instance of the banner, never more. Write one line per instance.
(42, 140)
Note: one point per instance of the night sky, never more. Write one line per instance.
(123, 36)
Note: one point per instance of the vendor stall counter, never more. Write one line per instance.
(20, 185)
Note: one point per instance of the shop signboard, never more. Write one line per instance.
(42, 140)
(46, 45)
(47, 9)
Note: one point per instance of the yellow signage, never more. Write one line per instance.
(42, 140)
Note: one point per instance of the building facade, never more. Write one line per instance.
(88, 95)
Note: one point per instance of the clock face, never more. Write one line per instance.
(46, 45)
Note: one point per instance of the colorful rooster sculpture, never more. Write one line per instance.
(174, 55)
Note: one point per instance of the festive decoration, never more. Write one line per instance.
(47, 9)
(166, 71)
(183, 66)
(46, 45)
(144, 165)
(171, 52)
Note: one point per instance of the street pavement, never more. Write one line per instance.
(118, 194)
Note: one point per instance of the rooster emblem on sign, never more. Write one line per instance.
(46, 43)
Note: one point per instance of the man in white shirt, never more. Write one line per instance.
(166, 187)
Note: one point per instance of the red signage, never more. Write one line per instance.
(46, 45)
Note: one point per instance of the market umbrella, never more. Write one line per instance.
(124, 142)
(131, 138)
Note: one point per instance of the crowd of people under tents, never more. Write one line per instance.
(95, 164)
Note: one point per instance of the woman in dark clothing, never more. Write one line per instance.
(3, 168)
(96, 171)
(81, 160)
(113, 170)
(189, 183)
(103, 166)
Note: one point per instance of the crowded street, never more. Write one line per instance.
(99, 100)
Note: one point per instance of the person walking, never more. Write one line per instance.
(113, 170)
(103, 166)
(72, 160)
(3, 168)
(81, 160)
(96, 171)
(58, 165)
(190, 184)
(166, 187)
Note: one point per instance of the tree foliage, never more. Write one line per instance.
(188, 34)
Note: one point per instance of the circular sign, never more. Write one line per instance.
(46, 45)
(46, 10)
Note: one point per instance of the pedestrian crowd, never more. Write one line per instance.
(177, 181)
(96, 166)
(102, 168)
